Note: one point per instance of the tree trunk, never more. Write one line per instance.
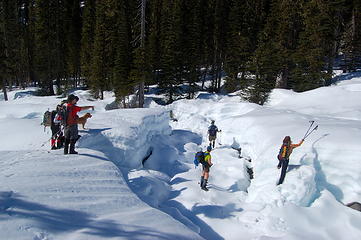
(204, 77)
(4, 90)
(142, 45)
(141, 94)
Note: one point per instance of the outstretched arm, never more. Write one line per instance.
(87, 107)
(297, 145)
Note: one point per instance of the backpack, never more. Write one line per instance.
(61, 116)
(212, 130)
(279, 156)
(47, 119)
(199, 158)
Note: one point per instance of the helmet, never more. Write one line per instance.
(212, 121)
(209, 148)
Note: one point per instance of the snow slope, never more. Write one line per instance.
(324, 172)
(134, 177)
(46, 195)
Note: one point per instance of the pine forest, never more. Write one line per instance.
(125, 46)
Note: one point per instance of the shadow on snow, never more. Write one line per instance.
(55, 220)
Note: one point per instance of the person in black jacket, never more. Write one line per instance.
(56, 133)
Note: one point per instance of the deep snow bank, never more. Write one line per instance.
(46, 195)
(324, 169)
(126, 135)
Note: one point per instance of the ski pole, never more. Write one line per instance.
(311, 132)
(220, 138)
(308, 128)
(42, 145)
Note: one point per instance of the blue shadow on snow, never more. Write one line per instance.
(181, 137)
(31, 115)
(205, 230)
(12, 205)
(178, 180)
(214, 211)
(320, 178)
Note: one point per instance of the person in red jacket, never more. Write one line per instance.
(71, 124)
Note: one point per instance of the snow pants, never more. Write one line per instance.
(55, 130)
(71, 132)
(284, 164)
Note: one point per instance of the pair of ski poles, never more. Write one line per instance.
(308, 130)
(60, 130)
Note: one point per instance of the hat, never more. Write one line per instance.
(72, 97)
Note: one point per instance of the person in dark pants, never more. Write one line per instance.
(55, 128)
(284, 155)
(71, 126)
(206, 166)
(212, 134)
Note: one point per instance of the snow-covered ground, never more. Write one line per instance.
(134, 177)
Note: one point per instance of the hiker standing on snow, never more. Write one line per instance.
(71, 124)
(284, 155)
(206, 166)
(212, 134)
(55, 128)
(56, 139)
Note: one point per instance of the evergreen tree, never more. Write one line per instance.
(194, 48)
(46, 42)
(73, 37)
(26, 38)
(87, 41)
(220, 29)
(153, 47)
(10, 35)
(100, 67)
(277, 43)
(3, 53)
(316, 45)
(240, 45)
(168, 79)
(351, 40)
(123, 84)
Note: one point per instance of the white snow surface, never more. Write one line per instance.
(134, 176)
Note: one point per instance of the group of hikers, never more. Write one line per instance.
(64, 124)
(205, 158)
(64, 128)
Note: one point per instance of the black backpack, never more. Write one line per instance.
(62, 115)
(199, 158)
